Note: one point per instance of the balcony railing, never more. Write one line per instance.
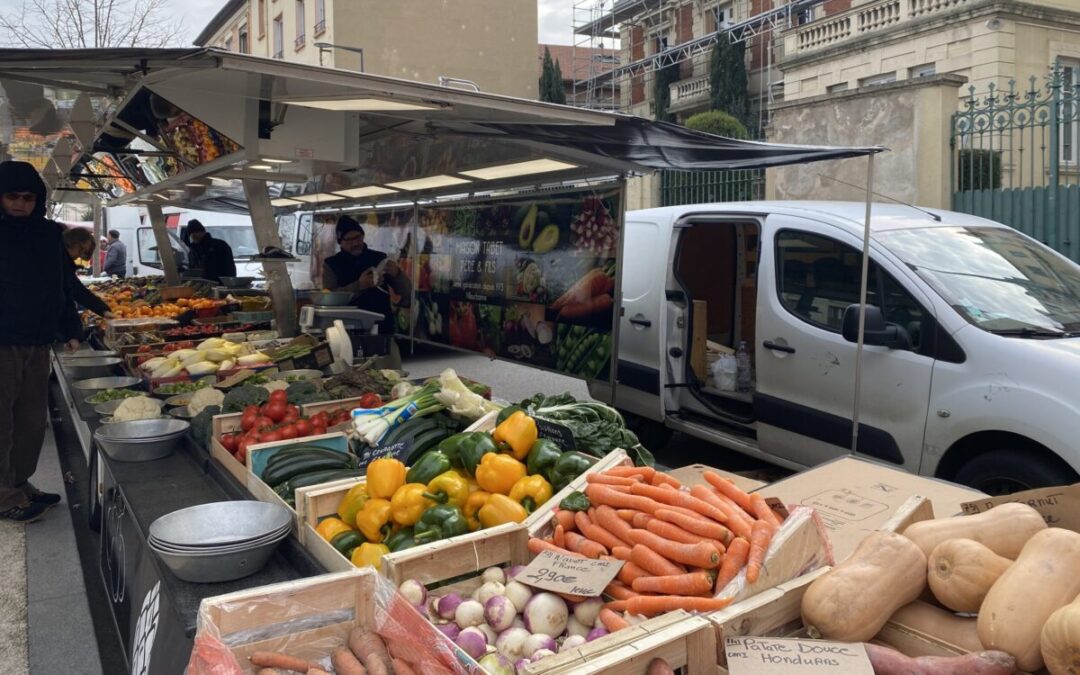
(298, 43)
(687, 93)
(866, 19)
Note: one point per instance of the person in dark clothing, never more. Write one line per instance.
(35, 306)
(355, 267)
(213, 256)
(79, 244)
(115, 256)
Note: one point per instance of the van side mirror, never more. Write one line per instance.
(876, 332)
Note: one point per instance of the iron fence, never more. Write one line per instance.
(701, 187)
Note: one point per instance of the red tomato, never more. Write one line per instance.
(320, 420)
(293, 410)
(276, 411)
(279, 395)
(303, 428)
(370, 400)
(340, 417)
(247, 421)
(251, 408)
(317, 430)
(263, 423)
(263, 408)
(288, 432)
(270, 436)
(241, 450)
(229, 441)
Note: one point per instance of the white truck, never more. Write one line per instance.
(972, 338)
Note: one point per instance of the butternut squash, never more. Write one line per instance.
(1044, 578)
(1060, 640)
(1003, 529)
(939, 624)
(852, 601)
(961, 572)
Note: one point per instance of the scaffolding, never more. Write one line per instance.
(595, 53)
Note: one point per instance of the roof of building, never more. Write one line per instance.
(227, 12)
(565, 56)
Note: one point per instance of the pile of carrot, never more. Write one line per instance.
(680, 545)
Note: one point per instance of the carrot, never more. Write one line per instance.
(598, 303)
(597, 532)
(762, 510)
(620, 552)
(559, 538)
(616, 605)
(660, 478)
(645, 472)
(662, 528)
(402, 667)
(593, 283)
(345, 662)
(280, 661)
(695, 555)
(629, 572)
(627, 514)
(659, 666)
(610, 480)
(607, 518)
(573, 599)
(642, 520)
(612, 621)
(565, 518)
(729, 490)
(586, 547)
(607, 494)
(651, 605)
(736, 522)
(371, 650)
(619, 591)
(734, 560)
(691, 583)
(679, 498)
(699, 526)
(760, 537)
(653, 563)
(538, 545)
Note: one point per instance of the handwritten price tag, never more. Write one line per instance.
(762, 656)
(563, 574)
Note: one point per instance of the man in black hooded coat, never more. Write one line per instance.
(36, 307)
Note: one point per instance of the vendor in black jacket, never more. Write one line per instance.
(36, 306)
(213, 256)
(80, 245)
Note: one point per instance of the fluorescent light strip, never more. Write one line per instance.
(429, 183)
(318, 198)
(368, 191)
(518, 169)
(285, 201)
(362, 105)
(261, 167)
(277, 161)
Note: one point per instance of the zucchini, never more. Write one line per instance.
(301, 451)
(315, 477)
(347, 541)
(410, 429)
(424, 442)
(283, 471)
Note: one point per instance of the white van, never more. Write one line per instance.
(972, 338)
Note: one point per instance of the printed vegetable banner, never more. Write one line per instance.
(529, 280)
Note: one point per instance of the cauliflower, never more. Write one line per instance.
(203, 398)
(137, 408)
(275, 385)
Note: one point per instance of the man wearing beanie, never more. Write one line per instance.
(36, 305)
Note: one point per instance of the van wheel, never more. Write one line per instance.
(652, 434)
(1006, 470)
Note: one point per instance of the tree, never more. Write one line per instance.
(551, 81)
(717, 122)
(82, 24)
(662, 81)
(728, 82)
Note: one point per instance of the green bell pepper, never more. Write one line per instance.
(430, 464)
(471, 447)
(569, 466)
(401, 540)
(575, 501)
(507, 412)
(440, 522)
(542, 456)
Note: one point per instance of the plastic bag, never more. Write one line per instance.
(309, 618)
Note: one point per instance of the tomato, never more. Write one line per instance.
(247, 421)
(229, 441)
(370, 400)
(288, 432)
(263, 423)
(279, 395)
(320, 420)
(303, 427)
(241, 450)
(294, 410)
(270, 436)
(263, 408)
(276, 410)
(340, 417)
(317, 430)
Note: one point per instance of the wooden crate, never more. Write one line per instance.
(224, 424)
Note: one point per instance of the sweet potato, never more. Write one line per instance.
(280, 661)
(371, 650)
(346, 663)
(659, 667)
(402, 667)
(888, 661)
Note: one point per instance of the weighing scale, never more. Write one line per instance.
(343, 328)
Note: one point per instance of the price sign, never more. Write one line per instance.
(769, 656)
(399, 451)
(564, 574)
(555, 432)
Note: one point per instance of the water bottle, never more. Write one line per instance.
(743, 377)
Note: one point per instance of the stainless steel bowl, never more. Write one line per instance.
(88, 354)
(96, 384)
(113, 420)
(331, 298)
(141, 440)
(108, 408)
(178, 400)
(221, 523)
(180, 412)
(100, 366)
(208, 568)
(277, 535)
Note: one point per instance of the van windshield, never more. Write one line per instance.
(997, 279)
(240, 239)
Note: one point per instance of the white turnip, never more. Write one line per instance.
(469, 613)
(448, 605)
(588, 610)
(472, 642)
(546, 613)
(519, 594)
(499, 612)
(538, 641)
(494, 574)
(490, 590)
(511, 643)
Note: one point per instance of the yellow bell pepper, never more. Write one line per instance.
(531, 492)
(498, 473)
(369, 554)
(449, 487)
(499, 509)
(384, 477)
(518, 432)
(328, 528)
(352, 502)
(373, 520)
(409, 503)
(472, 505)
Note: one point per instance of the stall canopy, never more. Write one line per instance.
(185, 125)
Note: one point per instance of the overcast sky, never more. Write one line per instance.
(555, 16)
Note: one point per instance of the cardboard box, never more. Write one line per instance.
(1059, 506)
(855, 496)
(692, 474)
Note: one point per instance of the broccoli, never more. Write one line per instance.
(241, 397)
(306, 391)
(201, 426)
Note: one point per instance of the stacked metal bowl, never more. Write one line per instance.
(141, 440)
(220, 541)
